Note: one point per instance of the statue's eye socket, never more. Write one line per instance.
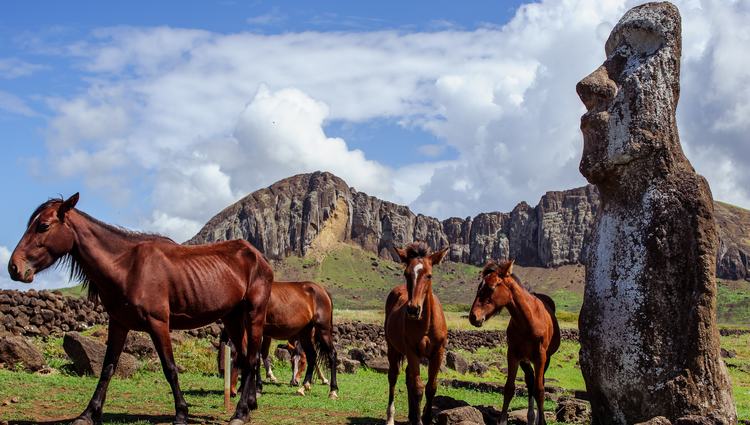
(42, 227)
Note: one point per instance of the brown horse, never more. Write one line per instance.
(150, 283)
(301, 312)
(533, 333)
(415, 328)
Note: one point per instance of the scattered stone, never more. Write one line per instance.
(282, 354)
(456, 362)
(478, 368)
(378, 364)
(694, 420)
(465, 415)
(87, 355)
(650, 279)
(140, 345)
(574, 411)
(520, 417)
(17, 350)
(350, 366)
(14, 400)
(728, 354)
(358, 354)
(658, 420)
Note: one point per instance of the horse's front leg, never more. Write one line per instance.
(414, 387)
(528, 373)
(116, 336)
(510, 388)
(432, 373)
(539, 368)
(265, 350)
(159, 331)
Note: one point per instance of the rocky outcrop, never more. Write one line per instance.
(648, 334)
(17, 351)
(291, 215)
(87, 355)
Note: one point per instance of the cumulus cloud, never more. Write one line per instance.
(201, 119)
(13, 68)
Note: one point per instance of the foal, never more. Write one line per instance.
(533, 333)
(415, 328)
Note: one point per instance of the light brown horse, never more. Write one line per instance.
(415, 328)
(533, 333)
(302, 312)
(150, 283)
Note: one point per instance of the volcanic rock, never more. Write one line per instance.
(17, 350)
(87, 355)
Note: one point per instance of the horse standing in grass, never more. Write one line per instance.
(150, 283)
(301, 312)
(533, 333)
(415, 328)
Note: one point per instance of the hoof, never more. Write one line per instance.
(301, 391)
(307, 386)
(325, 381)
(179, 423)
(82, 421)
(333, 395)
(237, 422)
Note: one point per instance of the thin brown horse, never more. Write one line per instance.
(533, 333)
(301, 312)
(415, 328)
(150, 283)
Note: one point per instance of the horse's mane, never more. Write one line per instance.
(68, 261)
(417, 249)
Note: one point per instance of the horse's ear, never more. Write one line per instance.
(66, 206)
(507, 268)
(437, 257)
(402, 255)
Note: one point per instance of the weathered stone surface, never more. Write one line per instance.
(649, 341)
(17, 350)
(659, 420)
(87, 355)
(378, 364)
(573, 411)
(456, 362)
(460, 415)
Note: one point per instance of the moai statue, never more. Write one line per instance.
(649, 340)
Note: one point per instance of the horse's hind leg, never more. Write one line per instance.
(394, 364)
(325, 338)
(253, 331)
(539, 364)
(264, 354)
(432, 372)
(159, 332)
(116, 335)
(308, 346)
(510, 388)
(528, 375)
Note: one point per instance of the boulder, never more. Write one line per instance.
(456, 362)
(140, 345)
(87, 355)
(349, 365)
(648, 333)
(282, 354)
(17, 350)
(658, 420)
(378, 364)
(465, 415)
(573, 411)
(478, 368)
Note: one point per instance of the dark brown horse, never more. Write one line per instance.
(533, 333)
(302, 312)
(415, 328)
(150, 283)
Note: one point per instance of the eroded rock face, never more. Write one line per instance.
(649, 341)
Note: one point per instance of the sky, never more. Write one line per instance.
(163, 113)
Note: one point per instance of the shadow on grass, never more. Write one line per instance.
(126, 418)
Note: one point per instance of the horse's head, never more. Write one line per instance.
(418, 274)
(48, 237)
(494, 291)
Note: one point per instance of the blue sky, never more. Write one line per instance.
(163, 113)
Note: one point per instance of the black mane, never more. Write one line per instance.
(68, 261)
(417, 249)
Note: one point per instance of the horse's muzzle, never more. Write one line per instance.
(413, 311)
(15, 272)
(475, 321)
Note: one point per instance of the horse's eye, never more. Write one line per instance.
(42, 227)
(429, 276)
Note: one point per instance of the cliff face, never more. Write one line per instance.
(288, 216)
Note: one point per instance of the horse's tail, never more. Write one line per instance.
(322, 350)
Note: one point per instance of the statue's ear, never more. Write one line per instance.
(437, 257)
(402, 255)
(66, 206)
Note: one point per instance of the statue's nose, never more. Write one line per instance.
(596, 88)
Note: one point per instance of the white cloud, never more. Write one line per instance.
(202, 118)
(14, 104)
(13, 68)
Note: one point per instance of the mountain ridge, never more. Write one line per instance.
(288, 217)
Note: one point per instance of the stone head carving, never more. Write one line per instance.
(631, 99)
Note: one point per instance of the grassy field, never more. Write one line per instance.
(146, 398)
